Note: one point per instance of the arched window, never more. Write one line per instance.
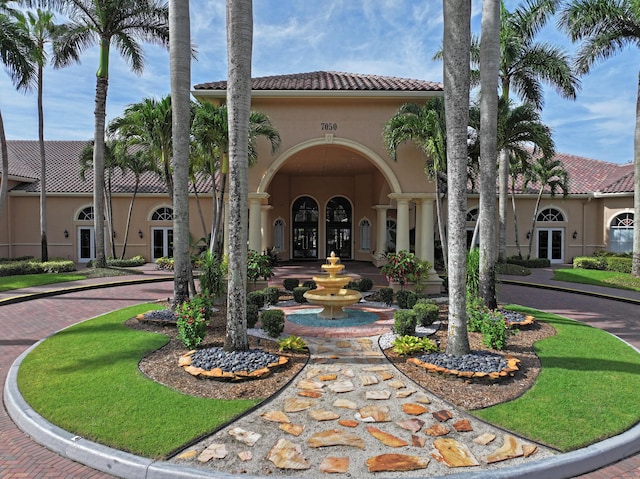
(365, 235)
(621, 233)
(86, 214)
(550, 214)
(162, 214)
(278, 234)
(391, 234)
(472, 214)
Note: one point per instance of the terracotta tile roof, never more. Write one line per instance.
(331, 81)
(63, 170)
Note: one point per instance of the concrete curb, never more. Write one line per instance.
(130, 466)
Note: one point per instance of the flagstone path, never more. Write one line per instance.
(350, 411)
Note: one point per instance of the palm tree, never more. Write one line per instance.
(16, 49)
(546, 172)
(239, 49)
(123, 23)
(525, 65)
(489, 66)
(211, 136)
(147, 125)
(425, 126)
(180, 66)
(605, 27)
(456, 41)
(42, 30)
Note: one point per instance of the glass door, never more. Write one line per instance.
(162, 243)
(305, 228)
(551, 244)
(338, 234)
(86, 244)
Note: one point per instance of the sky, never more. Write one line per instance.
(377, 37)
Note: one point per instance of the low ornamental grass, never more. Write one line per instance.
(587, 389)
(86, 380)
(609, 279)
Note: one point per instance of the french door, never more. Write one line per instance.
(162, 242)
(551, 244)
(305, 228)
(86, 244)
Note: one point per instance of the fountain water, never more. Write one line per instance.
(332, 295)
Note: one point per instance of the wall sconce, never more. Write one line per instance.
(140, 233)
(574, 235)
(528, 234)
(66, 233)
(114, 233)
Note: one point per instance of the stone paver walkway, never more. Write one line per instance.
(349, 407)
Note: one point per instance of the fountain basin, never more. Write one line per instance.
(332, 302)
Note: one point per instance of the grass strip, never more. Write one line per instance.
(8, 283)
(587, 389)
(609, 279)
(85, 379)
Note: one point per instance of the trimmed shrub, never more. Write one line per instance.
(273, 322)
(406, 299)
(36, 267)
(126, 263)
(252, 315)
(354, 285)
(164, 263)
(619, 265)
(271, 295)
(386, 295)
(426, 312)
(404, 322)
(290, 284)
(257, 298)
(589, 262)
(365, 284)
(530, 263)
(311, 284)
(298, 294)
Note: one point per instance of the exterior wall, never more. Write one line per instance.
(62, 214)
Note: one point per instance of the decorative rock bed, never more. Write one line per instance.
(159, 316)
(432, 363)
(516, 319)
(215, 363)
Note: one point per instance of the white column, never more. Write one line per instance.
(264, 227)
(402, 221)
(426, 231)
(255, 220)
(381, 231)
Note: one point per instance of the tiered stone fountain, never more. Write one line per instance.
(331, 293)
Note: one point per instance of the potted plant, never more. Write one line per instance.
(403, 268)
(259, 269)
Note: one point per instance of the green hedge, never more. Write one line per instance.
(603, 263)
(36, 267)
(529, 263)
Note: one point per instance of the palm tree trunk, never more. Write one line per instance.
(489, 67)
(239, 45)
(457, 37)
(102, 84)
(533, 222)
(515, 220)
(180, 72)
(129, 213)
(4, 169)
(635, 262)
(503, 181)
(44, 250)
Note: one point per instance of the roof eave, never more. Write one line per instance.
(621, 194)
(222, 94)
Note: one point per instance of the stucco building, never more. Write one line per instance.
(331, 186)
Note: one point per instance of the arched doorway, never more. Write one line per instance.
(305, 228)
(339, 223)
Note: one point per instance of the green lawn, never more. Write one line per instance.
(85, 379)
(587, 389)
(610, 279)
(8, 283)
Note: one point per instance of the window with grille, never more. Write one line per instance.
(365, 235)
(621, 233)
(162, 214)
(550, 214)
